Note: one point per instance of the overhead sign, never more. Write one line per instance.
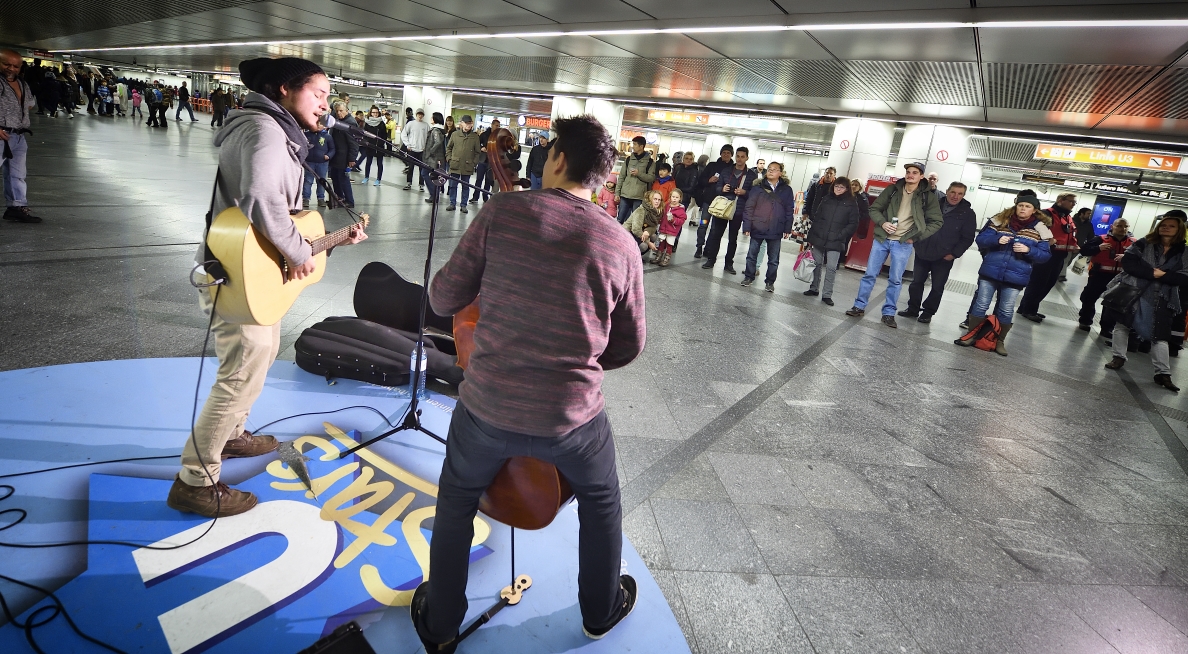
(1041, 179)
(1120, 188)
(1108, 157)
(679, 117)
(755, 124)
(797, 149)
(346, 80)
(998, 189)
(537, 122)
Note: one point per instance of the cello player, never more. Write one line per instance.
(550, 326)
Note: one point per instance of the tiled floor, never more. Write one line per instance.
(797, 480)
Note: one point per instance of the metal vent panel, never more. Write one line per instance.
(930, 82)
(815, 78)
(1166, 97)
(29, 21)
(978, 148)
(1073, 88)
(720, 73)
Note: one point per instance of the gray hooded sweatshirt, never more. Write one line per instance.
(260, 172)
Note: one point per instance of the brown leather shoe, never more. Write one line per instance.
(218, 501)
(249, 444)
(1115, 363)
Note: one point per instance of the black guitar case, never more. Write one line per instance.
(375, 347)
(353, 348)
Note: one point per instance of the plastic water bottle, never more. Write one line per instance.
(413, 375)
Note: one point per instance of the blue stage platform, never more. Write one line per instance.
(281, 576)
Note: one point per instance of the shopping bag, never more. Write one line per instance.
(804, 266)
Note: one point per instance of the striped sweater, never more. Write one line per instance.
(561, 301)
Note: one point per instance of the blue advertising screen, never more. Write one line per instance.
(1105, 211)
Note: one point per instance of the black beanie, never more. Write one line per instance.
(1029, 198)
(256, 73)
(1176, 213)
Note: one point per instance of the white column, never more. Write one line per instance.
(943, 150)
(971, 176)
(414, 98)
(565, 106)
(860, 147)
(436, 99)
(610, 114)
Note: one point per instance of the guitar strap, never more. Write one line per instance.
(213, 267)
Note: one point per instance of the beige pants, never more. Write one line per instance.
(245, 353)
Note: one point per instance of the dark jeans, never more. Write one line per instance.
(773, 258)
(939, 270)
(342, 184)
(409, 176)
(184, 104)
(714, 241)
(475, 452)
(703, 222)
(379, 166)
(453, 189)
(627, 206)
(481, 174)
(216, 118)
(152, 115)
(1094, 287)
(1043, 278)
(161, 117)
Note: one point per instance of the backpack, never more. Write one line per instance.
(986, 335)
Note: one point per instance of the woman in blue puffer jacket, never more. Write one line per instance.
(1011, 243)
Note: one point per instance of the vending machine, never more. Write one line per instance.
(859, 251)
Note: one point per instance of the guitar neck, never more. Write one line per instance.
(332, 239)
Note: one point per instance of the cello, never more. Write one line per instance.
(526, 493)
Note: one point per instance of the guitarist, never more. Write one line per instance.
(549, 327)
(261, 149)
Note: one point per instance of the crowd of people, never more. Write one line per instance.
(1026, 248)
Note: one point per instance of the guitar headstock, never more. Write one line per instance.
(364, 220)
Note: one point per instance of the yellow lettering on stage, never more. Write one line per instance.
(375, 533)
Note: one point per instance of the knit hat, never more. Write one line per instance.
(1176, 213)
(256, 73)
(1029, 199)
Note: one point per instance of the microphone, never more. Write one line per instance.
(329, 122)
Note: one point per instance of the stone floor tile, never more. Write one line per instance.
(844, 615)
(696, 481)
(733, 612)
(706, 536)
(833, 486)
(1168, 601)
(1128, 624)
(639, 527)
(756, 479)
(794, 540)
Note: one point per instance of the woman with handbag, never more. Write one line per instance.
(1146, 296)
(834, 221)
(1011, 244)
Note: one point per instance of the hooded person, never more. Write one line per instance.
(261, 150)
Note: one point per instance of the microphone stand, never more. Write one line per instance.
(412, 416)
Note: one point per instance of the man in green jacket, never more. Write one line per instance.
(636, 174)
(462, 154)
(904, 213)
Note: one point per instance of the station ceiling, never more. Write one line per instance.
(1075, 66)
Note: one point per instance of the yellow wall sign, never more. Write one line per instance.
(1107, 157)
(679, 117)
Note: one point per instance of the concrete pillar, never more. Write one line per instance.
(414, 99)
(565, 106)
(435, 99)
(610, 114)
(971, 176)
(943, 150)
(860, 147)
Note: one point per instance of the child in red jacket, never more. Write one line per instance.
(672, 219)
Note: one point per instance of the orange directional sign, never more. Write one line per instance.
(1108, 157)
(679, 117)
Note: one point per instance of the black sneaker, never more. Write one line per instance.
(709, 263)
(630, 592)
(828, 301)
(770, 288)
(452, 207)
(747, 281)
(408, 187)
(909, 313)
(20, 215)
(463, 209)
(697, 253)
(417, 611)
(890, 322)
(925, 318)
(730, 269)
(1033, 317)
(1083, 327)
(811, 293)
(429, 200)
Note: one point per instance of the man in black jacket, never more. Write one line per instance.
(818, 192)
(536, 161)
(733, 183)
(935, 254)
(707, 190)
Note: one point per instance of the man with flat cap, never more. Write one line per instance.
(261, 150)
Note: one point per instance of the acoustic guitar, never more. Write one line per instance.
(258, 290)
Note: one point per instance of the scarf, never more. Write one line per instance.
(651, 214)
(283, 118)
(1018, 224)
(374, 120)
